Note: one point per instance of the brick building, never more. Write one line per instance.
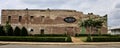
(48, 21)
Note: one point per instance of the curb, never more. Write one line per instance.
(59, 43)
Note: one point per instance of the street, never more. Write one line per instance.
(59, 46)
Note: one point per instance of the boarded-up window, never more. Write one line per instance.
(42, 18)
(42, 31)
(20, 18)
(9, 18)
(31, 30)
(31, 18)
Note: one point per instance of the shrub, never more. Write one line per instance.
(34, 39)
(51, 35)
(17, 31)
(69, 39)
(77, 35)
(106, 39)
(89, 38)
(7, 27)
(24, 32)
(2, 31)
(10, 31)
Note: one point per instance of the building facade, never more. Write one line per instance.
(114, 30)
(48, 21)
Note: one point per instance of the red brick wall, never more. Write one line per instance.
(53, 21)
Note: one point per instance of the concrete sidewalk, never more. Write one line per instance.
(59, 43)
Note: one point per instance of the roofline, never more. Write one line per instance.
(42, 9)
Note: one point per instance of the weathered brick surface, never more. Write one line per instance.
(52, 21)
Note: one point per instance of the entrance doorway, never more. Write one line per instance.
(42, 31)
(70, 31)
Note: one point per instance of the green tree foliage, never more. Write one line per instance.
(89, 39)
(87, 24)
(2, 31)
(24, 31)
(90, 23)
(17, 31)
(98, 24)
(10, 31)
(7, 27)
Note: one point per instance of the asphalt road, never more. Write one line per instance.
(59, 46)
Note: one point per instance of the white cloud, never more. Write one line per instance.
(96, 6)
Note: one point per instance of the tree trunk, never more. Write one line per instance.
(90, 30)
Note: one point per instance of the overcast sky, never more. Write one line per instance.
(99, 7)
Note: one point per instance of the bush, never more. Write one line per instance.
(106, 39)
(68, 39)
(51, 35)
(77, 35)
(114, 36)
(10, 31)
(17, 31)
(89, 39)
(24, 32)
(7, 28)
(34, 39)
(2, 31)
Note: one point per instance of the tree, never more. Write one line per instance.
(2, 31)
(7, 27)
(17, 31)
(90, 23)
(10, 31)
(87, 24)
(98, 24)
(24, 32)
